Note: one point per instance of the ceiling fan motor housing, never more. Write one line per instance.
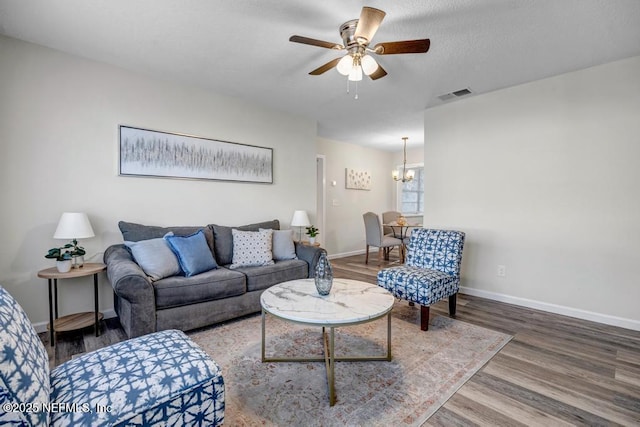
(347, 32)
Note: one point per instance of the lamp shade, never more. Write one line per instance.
(344, 65)
(74, 225)
(369, 65)
(300, 219)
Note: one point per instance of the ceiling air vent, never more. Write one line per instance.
(455, 94)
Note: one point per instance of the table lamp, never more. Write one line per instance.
(74, 225)
(300, 219)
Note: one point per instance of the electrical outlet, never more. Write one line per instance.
(502, 271)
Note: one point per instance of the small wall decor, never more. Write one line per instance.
(152, 153)
(357, 180)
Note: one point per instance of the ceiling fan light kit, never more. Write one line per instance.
(357, 35)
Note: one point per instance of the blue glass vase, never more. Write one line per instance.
(324, 275)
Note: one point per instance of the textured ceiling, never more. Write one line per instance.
(241, 48)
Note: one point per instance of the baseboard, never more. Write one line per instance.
(346, 254)
(555, 308)
(43, 326)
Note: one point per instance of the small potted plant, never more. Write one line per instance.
(312, 232)
(62, 255)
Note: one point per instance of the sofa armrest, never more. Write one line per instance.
(125, 275)
(136, 306)
(310, 254)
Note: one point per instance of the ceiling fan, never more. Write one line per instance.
(356, 35)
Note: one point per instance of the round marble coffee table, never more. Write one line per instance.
(350, 302)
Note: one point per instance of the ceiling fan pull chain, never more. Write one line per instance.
(347, 84)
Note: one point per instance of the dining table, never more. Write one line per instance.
(400, 231)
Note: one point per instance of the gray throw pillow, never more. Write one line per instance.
(283, 246)
(155, 258)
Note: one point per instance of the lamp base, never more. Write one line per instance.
(77, 261)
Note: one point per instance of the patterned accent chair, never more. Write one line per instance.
(431, 273)
(159, 379)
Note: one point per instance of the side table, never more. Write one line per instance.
(78, 320)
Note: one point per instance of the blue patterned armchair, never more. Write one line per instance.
(431, 273)
(160, 379)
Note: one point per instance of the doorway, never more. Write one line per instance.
(321, 190)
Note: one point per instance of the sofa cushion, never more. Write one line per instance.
(211, 285)
(283, 245)
(252, 248)
(155, 257)
(193, 253)
(263, 277)
(223, 238)
(157, 379)
(132, 232)
(24, 366)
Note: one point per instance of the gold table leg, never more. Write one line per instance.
(329, 357)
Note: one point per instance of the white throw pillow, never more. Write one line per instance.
(283, 246)
(252, 248)
(155, 258)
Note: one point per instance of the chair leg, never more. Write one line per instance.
(380, 257)
(366, 257)
(424, 318)
(452, 305)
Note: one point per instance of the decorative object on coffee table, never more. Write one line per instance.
(74, 225)
(323, 275)
(300, 219)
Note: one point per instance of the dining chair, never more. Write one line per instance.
(431, 273)
(375, 237)
(388, 217)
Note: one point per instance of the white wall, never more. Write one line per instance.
(344, 208)
(544, 179)
(59, 118)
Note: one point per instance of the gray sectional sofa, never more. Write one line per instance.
(185, 303)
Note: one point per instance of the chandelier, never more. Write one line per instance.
(407, 175)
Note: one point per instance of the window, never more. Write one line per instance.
(411, 193)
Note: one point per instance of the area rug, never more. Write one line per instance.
(426, 370)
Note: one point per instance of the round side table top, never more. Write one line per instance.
(87, 269)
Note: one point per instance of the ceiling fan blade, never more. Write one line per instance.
(378, 74)
(368, 24)
(326, 67)
(314, 42)
(408, 46)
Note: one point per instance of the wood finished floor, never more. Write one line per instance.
(555, 371)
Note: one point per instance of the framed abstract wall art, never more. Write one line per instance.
(151, 153)
(357, 179)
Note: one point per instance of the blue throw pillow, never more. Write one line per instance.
(193, 253)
